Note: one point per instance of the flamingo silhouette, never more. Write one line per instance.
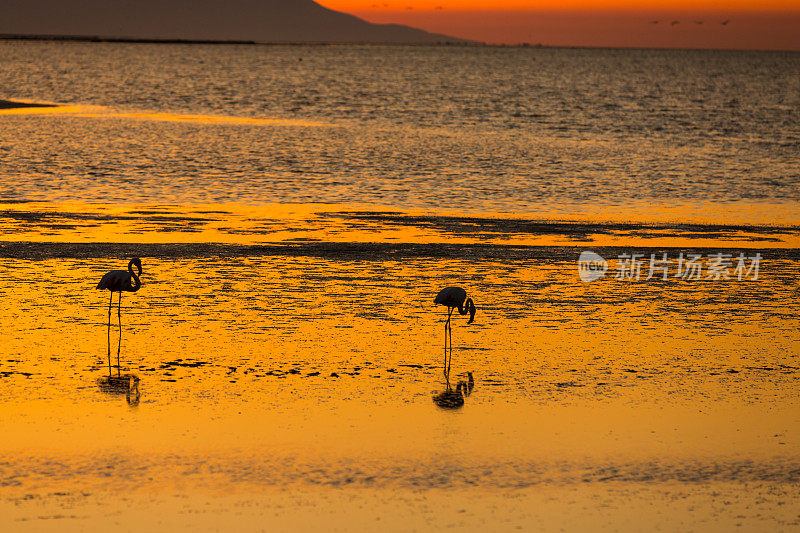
(453, 298)
(119, 281)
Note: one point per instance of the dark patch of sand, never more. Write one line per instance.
(494, 228)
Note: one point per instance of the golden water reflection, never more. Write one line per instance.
(315, 368)
(288, 334)
(95, 111)
(734, 227)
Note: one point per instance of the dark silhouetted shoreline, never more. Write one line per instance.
(101, 39)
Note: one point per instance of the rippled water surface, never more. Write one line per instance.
(479, 129)
(297, 209)
(313, 370)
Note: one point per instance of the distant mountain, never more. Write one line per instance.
(218, 20)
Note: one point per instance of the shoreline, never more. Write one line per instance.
(135, 40)
(448, 44)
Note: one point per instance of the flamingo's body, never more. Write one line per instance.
(453, 298)
(456, 297)
(120, 281)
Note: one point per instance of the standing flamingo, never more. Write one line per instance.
(118, 281)
(453, 297)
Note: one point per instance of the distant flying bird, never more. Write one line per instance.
(674, 22)
(453, 298)
(119, 281)
(725, 22)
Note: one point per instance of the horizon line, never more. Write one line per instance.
(444, 43)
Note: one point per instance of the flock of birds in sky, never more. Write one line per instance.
(698, 22)
(119, 281)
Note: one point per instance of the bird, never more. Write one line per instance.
(453, 298)
(119, 281)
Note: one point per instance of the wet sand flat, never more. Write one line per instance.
(621, 507)
(299, 384)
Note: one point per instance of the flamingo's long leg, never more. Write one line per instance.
(450, 357)
(110, 301)
(444, 366)
(119, 316)
(448, 327)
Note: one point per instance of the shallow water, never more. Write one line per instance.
(316, 373)
(285, 334)
(543, 335)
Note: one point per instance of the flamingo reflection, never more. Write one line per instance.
(452, 399)
(127, 384)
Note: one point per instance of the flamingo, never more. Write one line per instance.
(119, 281)
(453, 298)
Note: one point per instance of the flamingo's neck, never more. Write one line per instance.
(467, 307)
(137, 284)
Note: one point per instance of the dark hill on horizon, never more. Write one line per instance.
(202, 20)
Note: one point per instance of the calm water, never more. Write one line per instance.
(497, 130)
(285, 333)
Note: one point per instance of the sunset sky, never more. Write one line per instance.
(737, 24)
(372, 5)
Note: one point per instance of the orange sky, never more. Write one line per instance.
(720, 5)
(729, 24)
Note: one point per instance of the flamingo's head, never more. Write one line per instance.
(137, 262)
